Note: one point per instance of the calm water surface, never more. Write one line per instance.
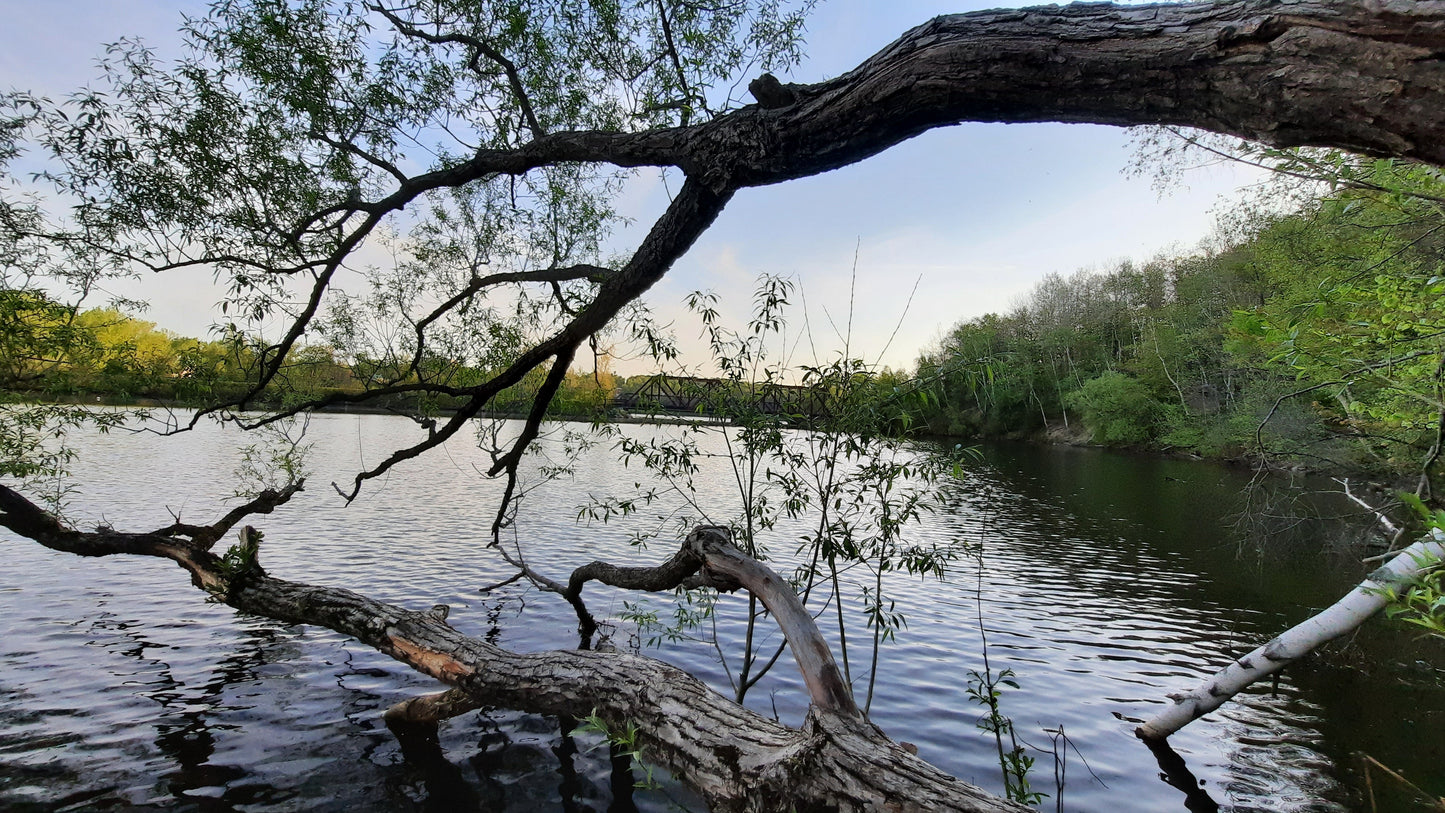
(1106, 582)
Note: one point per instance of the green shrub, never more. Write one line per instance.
(1117, 409)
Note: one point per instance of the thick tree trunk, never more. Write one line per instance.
(1341, 618)
(1362, 76)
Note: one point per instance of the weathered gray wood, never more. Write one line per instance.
(738, 760)
(826, 686)
(708, 557)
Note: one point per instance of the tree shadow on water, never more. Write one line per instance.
(1175, 773)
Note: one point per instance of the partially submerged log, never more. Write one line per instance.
(425, 711)
(734, 758)
(1341, 618)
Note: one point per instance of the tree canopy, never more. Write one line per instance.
(1309, 334)
(481, 144)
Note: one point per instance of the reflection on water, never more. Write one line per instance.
(1106, 582)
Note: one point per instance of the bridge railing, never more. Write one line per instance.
(713, 396)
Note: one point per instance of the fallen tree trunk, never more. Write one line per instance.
(736, 759)
(1341, 618)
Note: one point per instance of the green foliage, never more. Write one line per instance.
(691, 610)
(851, 484)
(276, 460)
(33, 449)
(624, 740)
(1311, 331)
(1161, 323)
(984, 688)
(1421, 600)
(289, 135)
(1118, 409)
(1359, 325)
(51, 351)
(240, 564)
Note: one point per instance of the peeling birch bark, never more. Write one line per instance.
(1341, 618)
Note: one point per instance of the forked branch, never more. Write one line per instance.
(29, 520)
(709, 558)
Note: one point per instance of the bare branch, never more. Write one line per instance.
(1379, 515)
(180, 542)
(708, 558)
(479, 48)
(204, 537)
(552, 275)
(352, 149)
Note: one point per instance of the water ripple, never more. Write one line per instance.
(123, 688)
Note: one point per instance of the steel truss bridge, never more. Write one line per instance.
(723, 398)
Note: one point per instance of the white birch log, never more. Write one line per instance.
(1342, 617)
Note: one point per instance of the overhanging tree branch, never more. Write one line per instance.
(479, 48)
(689, 215)
(1357, 75)
(176, 540)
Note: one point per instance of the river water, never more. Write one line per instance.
(1104, 582)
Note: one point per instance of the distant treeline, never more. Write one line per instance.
(50, 351)
(1313, 334)
(53, 351)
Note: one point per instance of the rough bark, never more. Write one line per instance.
(1363, 76)
(826, 686)
(30, 521)
(429, 709)
(1341, 618)
(735, 758)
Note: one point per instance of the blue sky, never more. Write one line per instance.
(973, 215)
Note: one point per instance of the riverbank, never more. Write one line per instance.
(372, 408)
(1375, 483)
